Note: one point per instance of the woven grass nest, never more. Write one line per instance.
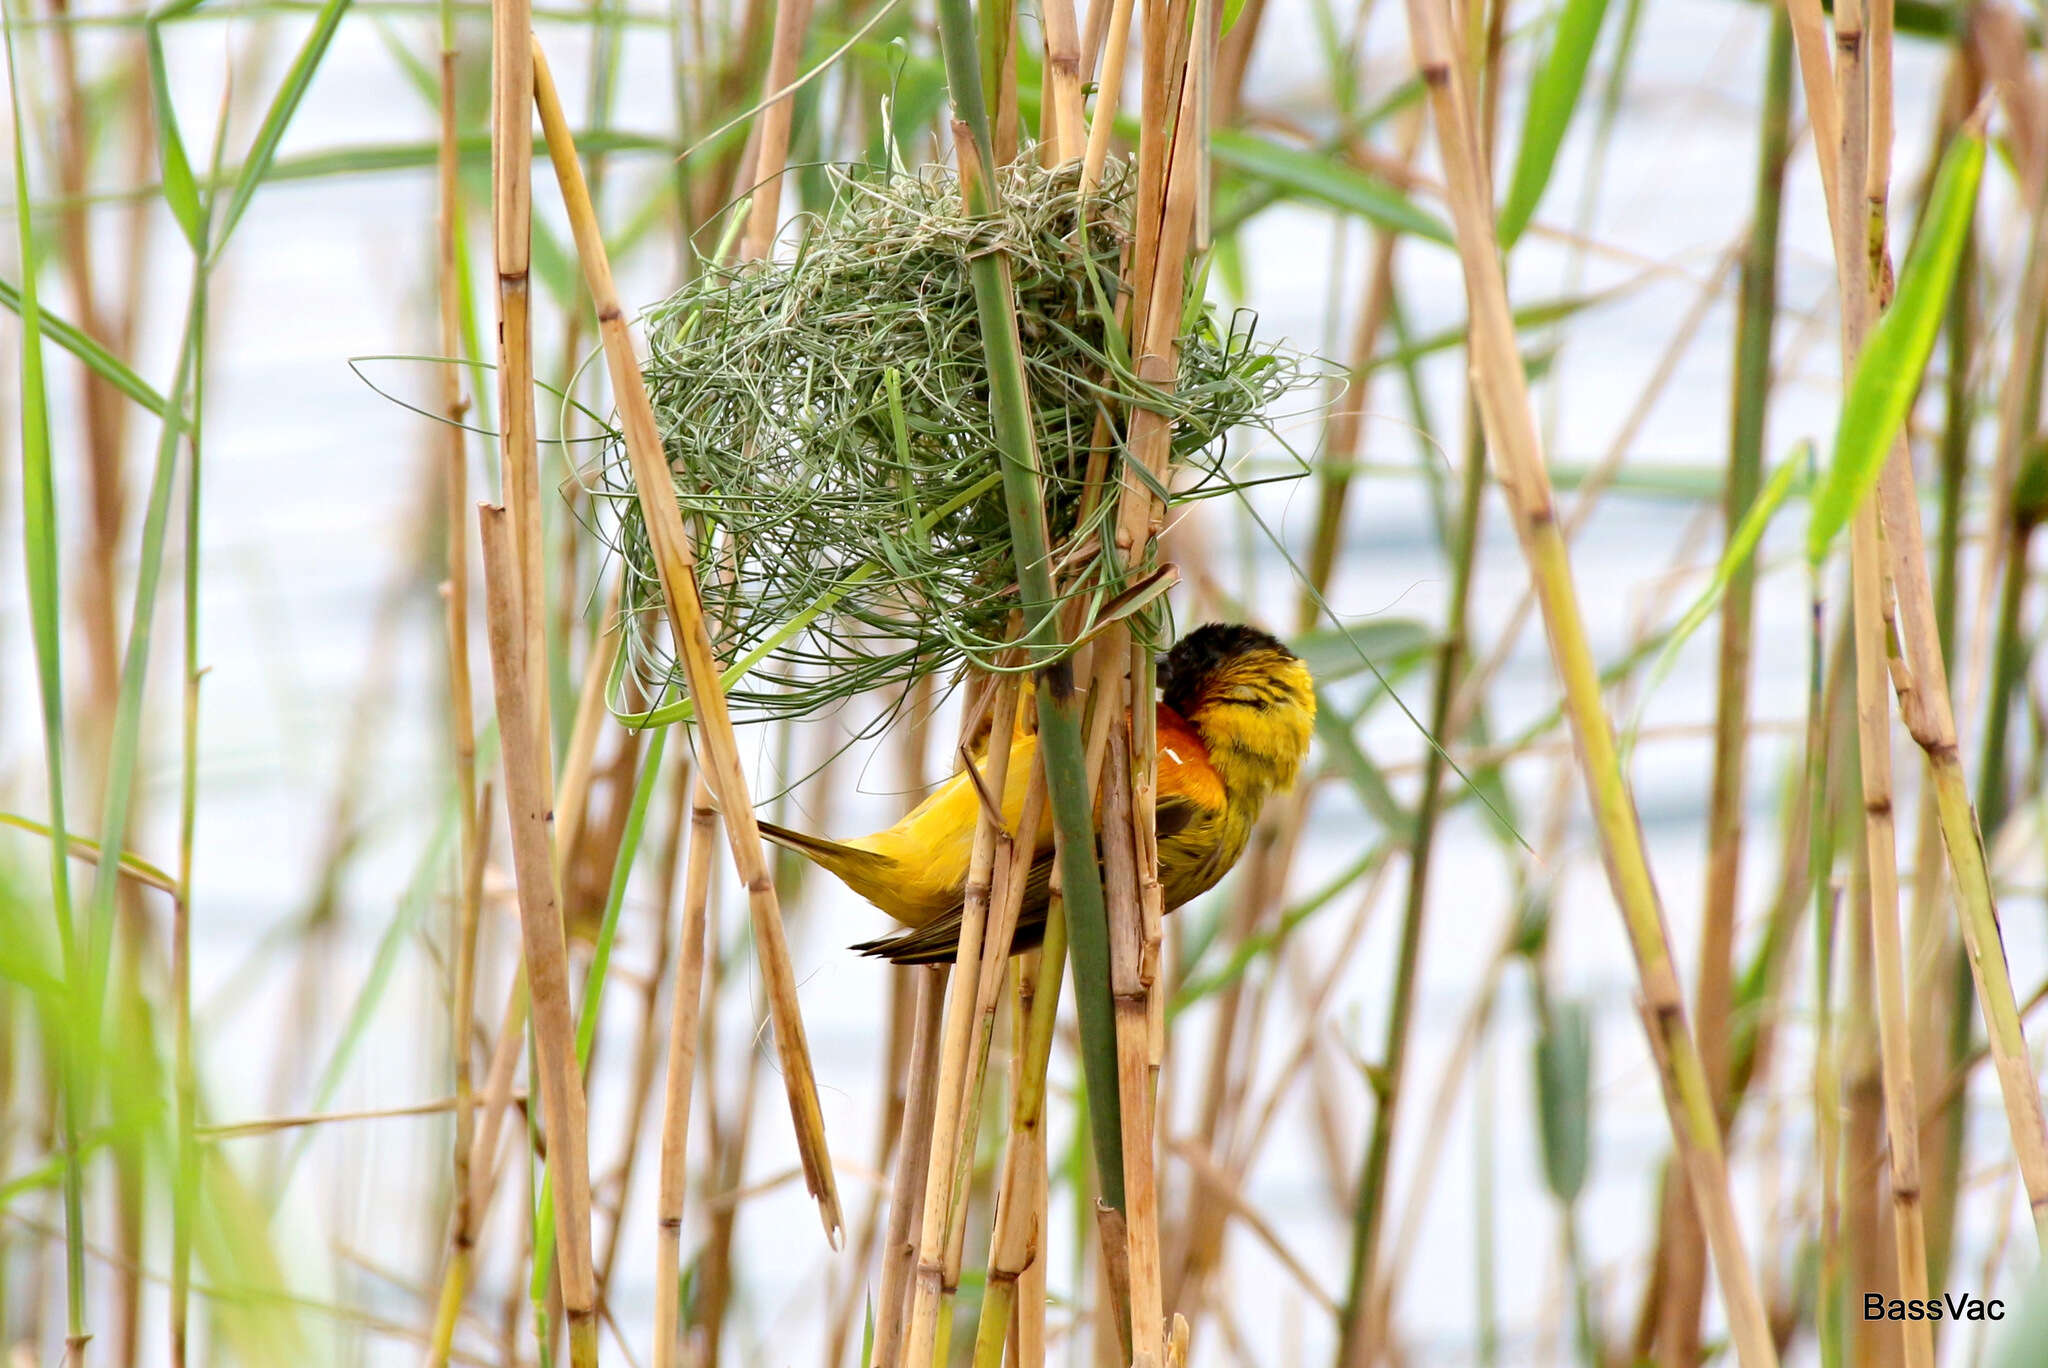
(826, 418)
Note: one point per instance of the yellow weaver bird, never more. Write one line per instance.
(1234, 719)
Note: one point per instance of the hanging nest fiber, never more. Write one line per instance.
(826, 418)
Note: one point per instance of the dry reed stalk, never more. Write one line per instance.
(1006, 903)
(1094, 30)
(512, 249)
(511, 167)
(1027, 1326)
(1922, 690)
(1756, 308)
(1159, 92)
(912, 741)
(103, 410)
(952, 1101)
(1037, 1001)
(479, 1161)
(271, 1125)
(1013, 1302)
(1064, 123)
(771, 128)
(1997, 37)
(676, 563)
(651, 1038)
(678, 1081)
(1062, 748)
(546, 951)
(1010, 1317)
(1877, 168)
(1502, 391)
(729, 1130)
(1593, 486)
(1920, 682)
(1108, 92)
(1870, 1260)
(572, 787)
(495, 1101)
(471, 817)
(1881, 912)
(1123, 826)
(1860, 162)
(1940, 976)
(913, 1161)
(1159, 264)
(588, 866)
(1681, 1246)
(1113, 1286)
(465, 1220)
(1233, 59)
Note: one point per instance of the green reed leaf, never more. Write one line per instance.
(1564, 1098)
(282, 106)
(101, 361)
(180, 189)
(1888, 374)
(1553, 99)
(1314, 174)
(1742, 544)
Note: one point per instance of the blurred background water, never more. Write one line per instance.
(318, 668)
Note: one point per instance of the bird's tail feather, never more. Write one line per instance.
(801, 842)
(836, 856)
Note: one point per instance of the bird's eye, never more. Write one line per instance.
(1250, 698)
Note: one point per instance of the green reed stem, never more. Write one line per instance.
(1370, 1203)
(1059, 704)
(185, 1179)
(39, 545)
(1755, 316)
(125, 748)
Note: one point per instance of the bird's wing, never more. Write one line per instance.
(938, 940)
(1175, 813)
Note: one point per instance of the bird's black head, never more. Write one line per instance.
(1197, 658)
(1248, 697)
